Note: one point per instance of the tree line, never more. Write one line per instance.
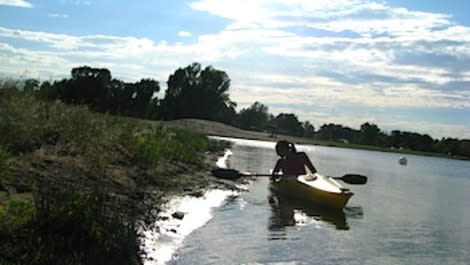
(257, 117)
(197, 92)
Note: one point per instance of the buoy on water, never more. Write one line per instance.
(403, 161)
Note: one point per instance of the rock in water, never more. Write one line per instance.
(178, 215)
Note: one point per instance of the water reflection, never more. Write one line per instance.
(250, 158)
(288, 212)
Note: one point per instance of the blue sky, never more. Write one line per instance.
(400, 64)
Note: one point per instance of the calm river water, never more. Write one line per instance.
(414, 214)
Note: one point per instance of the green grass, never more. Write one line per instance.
(4, 156)
(158, 142)
(14, 214)
(67, 228)
(28, 124)
(77, 216)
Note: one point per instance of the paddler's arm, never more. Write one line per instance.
(275, 173)
(308, 163)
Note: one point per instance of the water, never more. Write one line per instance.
(414, 214)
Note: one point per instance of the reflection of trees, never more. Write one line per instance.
(282, 213)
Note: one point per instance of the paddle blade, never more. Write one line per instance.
(224, 173)
(355, 179)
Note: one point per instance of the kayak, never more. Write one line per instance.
(314, 188)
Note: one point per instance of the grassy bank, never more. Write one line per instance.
(73, 182)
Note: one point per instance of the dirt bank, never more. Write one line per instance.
(219, 129)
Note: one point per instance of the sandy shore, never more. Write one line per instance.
(213, 128)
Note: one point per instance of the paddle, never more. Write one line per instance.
(224, 173)
(355, 179)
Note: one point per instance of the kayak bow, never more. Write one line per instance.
(315, 188)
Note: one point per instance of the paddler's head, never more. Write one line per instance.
(282, 148)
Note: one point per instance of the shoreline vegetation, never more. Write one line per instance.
(224, 130)
(203, 93)
(74, 182)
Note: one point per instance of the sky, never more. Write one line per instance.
(400, 64)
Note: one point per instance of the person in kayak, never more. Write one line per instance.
(290, 161)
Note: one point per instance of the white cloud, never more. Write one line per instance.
(56, 15)
(364, 17)
(17, 3)
(306, 90)
(185, 34)
(77, 2)
(44, 65)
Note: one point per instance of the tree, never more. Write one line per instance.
(464, 148)
(31, 85)
(336, 132)
(448, 146)
(370, 134)
(410, 140)
(95, 88)
(89, 86)
(141, 103)
(288, 123)
(309, 130)
(196, 93)
(121, 95)
(255, 117)
(48, 91)
(395, 139)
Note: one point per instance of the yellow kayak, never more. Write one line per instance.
(314, 188)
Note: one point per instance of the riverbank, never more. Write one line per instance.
(220, 129)
(73, 183)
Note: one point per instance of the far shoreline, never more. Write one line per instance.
(213, 128)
